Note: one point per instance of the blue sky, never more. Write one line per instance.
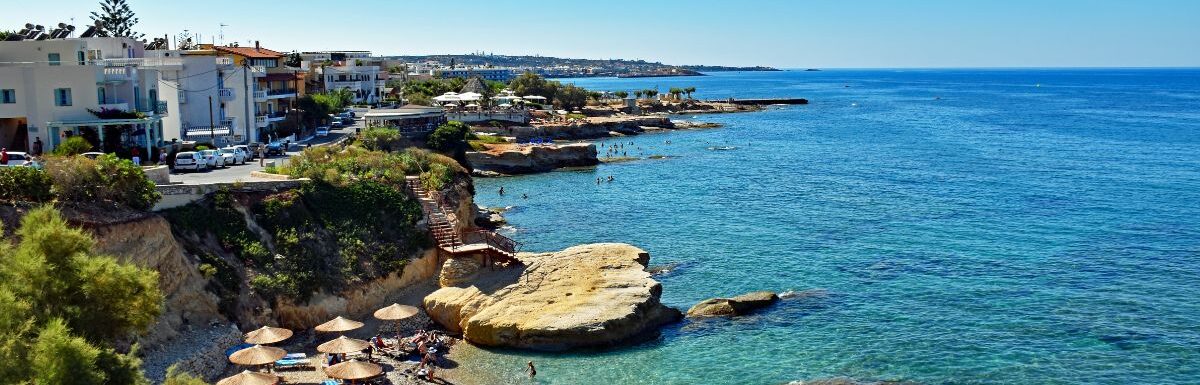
(791, 34)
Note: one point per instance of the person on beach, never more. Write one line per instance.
(531, 370)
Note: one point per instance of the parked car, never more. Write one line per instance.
(251, 152)
(213, 158)
(234, 155)
(275, 148)
(348, 121)
(92, 155)
(189, 160)
(336, 123)
(18, 159)
(322, 131)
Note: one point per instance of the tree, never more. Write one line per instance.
(530, 83)
(116, 18)
(621, 94)
(294, 60)
(675, 92)
(638, 94)
(74, 145)
(689, 91)
(178, 377)
(449, 138)
(84, 301)
(4, 34)
(570, 97)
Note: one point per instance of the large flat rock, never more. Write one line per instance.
(590, 295)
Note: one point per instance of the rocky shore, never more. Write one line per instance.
(584, 296)
(512, 159)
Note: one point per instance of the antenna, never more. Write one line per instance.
(221, 33)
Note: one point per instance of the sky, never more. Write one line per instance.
(784, 34)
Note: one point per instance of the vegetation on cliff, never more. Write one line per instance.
(106, 179)
(62, 307)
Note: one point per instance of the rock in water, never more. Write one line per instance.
(590, 295)
(728, 307)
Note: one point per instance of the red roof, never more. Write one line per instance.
(251, 52)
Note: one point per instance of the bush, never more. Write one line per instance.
(338, 166)
(24, 184)
(74, 145)
(382, 139)
(449, 138)
(104, 179)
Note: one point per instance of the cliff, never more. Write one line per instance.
(509, 159)
(584, 296)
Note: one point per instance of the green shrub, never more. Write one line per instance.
(104, 179)
(74, 145)
(24, 184)
(382, 139)
(449, 138)
(338, 166)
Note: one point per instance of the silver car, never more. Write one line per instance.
(213, 158)
(189, 160)
(233, 155)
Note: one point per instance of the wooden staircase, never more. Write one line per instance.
(443, 226)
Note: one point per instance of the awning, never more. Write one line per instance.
(207, 132)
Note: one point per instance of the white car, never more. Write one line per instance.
(322, 131)
(213, 158)
(189, 160)
(234, 155)
(18, 159)
(250, 155)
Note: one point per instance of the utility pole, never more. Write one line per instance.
(212, 127)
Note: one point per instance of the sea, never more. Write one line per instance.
(941, 226)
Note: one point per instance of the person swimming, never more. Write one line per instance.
(501, 190)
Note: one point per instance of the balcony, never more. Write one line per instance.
(281, 94)
(224, 61)
(260, 96)
(258, 71)
(157, 107)
(260, 121)
(226, 94)
(276, 116)
(116, 105)
(167, 63)
(119, 74)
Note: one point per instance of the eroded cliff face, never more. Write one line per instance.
(149, 242)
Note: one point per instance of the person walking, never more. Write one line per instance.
(37, 147)
(262, 155)
(162, 157)
(3, 156)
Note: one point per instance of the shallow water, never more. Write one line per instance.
(963, 226)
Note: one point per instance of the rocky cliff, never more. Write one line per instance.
(590, 295)
(510, 159)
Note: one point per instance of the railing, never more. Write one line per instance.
(284, 91)
(260, 95)
(258, 71)
(118, 105)
(224, 61)
(444, 227)
(118, 73)
(141, 62)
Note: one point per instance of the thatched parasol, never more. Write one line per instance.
(353, 370)
(268, 335)
(342, 345)
(250, 378)
(396, 312)
(339, 324)
(257, 355)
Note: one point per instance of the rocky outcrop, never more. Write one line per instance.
(149, 243)
(728, 307)
(590, 295)
(532, 159)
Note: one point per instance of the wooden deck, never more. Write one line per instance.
(443, 226)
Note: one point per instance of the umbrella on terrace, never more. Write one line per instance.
(268, 335)
(339, 324)
(250, 378)
(257, 355)
(353, 370)
(343, 345)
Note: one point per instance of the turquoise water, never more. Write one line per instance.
(959, 226)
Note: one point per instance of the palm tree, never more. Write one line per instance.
(638, 94)
(689, 91)
(675, 92)
(621, 94)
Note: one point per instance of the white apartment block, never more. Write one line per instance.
(215, 97)
(355, 71)
(47, 88)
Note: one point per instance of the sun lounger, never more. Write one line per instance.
(295, 363)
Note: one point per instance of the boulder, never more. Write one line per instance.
(584, 296)
(736, 306)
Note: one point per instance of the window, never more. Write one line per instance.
(54, 59)
(62, 97)
(79, 55)
(100, 95)
(8, 96)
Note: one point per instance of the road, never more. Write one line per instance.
(242, 172)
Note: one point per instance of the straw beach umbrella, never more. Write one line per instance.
(338, 324)
(257, 355)
(396, 312)
(353, 370)
(343, 345)
(250, 378)
(267, 335)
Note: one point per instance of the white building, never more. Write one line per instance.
(215, 97)
(355, 71)
(47, 88)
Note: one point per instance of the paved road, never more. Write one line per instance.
(242, 172)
